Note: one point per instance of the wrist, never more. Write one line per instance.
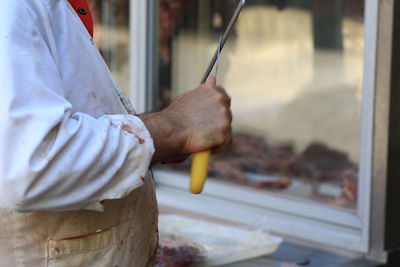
(166, 134)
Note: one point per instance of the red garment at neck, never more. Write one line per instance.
(82, 9)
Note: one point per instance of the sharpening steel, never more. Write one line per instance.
(201, 160)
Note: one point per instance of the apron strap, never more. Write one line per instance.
(82, 9)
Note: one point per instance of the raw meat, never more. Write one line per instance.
(176, 253)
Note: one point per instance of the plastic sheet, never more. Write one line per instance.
(219, 244)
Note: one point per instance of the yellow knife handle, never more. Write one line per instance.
(198, 174)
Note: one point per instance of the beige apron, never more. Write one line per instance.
(125, 234)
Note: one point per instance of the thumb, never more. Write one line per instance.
(211, 80)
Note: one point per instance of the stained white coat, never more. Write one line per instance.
(66, 140)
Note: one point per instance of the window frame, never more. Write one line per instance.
(359, 231)
(143, 59)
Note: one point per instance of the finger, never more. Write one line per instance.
(227, 142)
(230, 116)
(223, 147)
(211, 80)
(225, 94)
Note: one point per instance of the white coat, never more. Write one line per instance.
(71, 157)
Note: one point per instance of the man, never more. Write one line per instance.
(74, 183)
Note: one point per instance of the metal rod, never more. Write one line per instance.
(224, 38)
(218, 56)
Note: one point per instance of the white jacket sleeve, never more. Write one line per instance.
(51, 158)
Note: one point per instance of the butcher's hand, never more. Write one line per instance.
(195, 121)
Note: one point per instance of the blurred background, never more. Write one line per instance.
(294, 71)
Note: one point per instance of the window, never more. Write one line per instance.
(296, 72)
(111, 35)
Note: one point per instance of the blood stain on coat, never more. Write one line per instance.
(142, 178)
(128, 129)
(141, 140)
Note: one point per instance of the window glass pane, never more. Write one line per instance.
(294, 72)
(111, 35)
